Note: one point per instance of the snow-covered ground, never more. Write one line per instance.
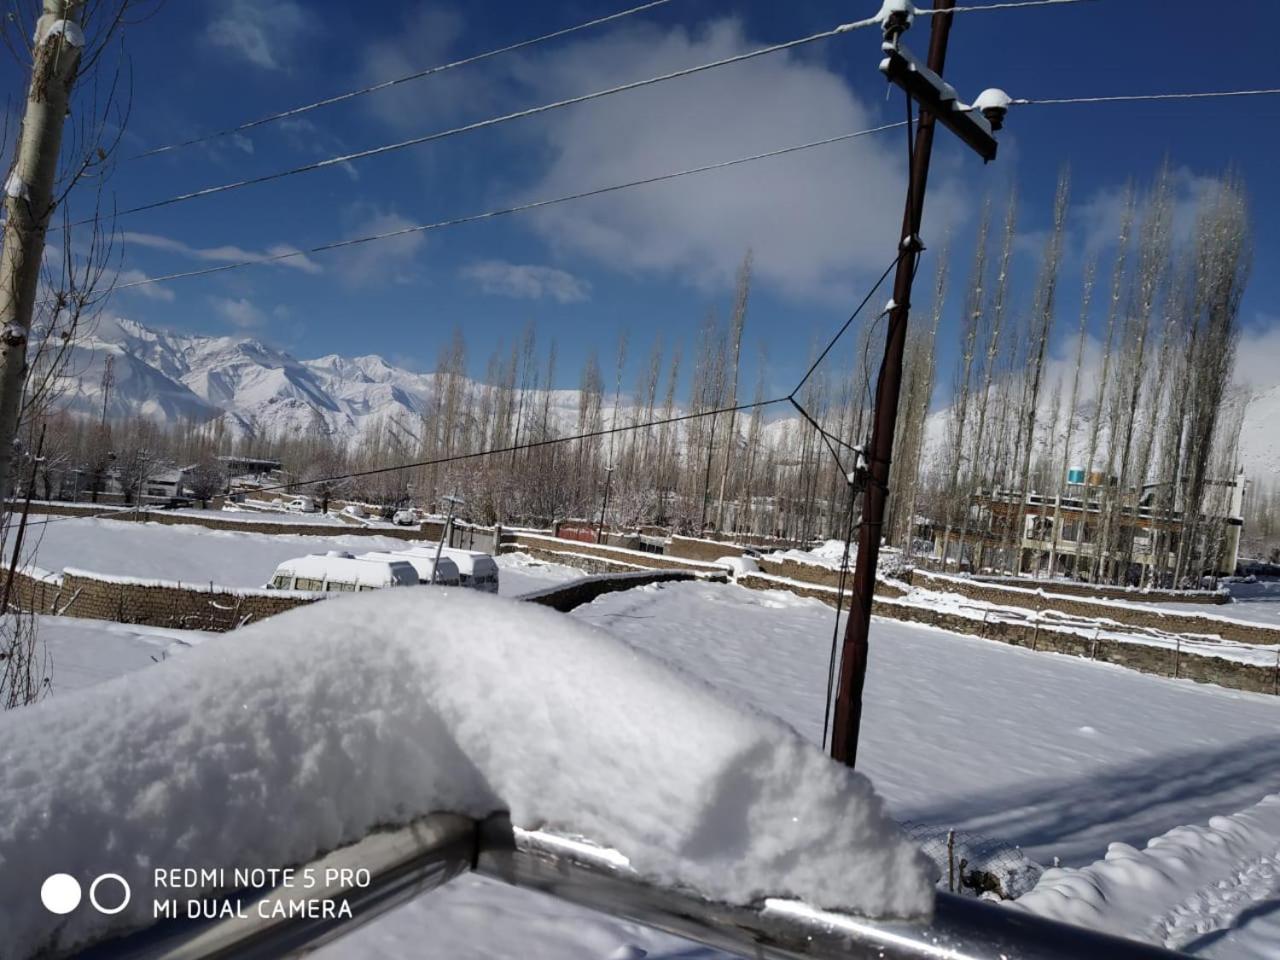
(302, 733)
(191, 554)
(82, 653)
(198, 555)
(1211, 890)
(1256, 602)
(520, 574)
(1058, 754)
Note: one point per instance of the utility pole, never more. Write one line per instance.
(453, 501)
(937, 101)
(608, 480)
(28, 202)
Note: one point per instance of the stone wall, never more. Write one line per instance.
(1099, 591)
(808, 572)
(816, 591)
(1134, 616)
(550, 548)
(152, 603)
(245, 522)
(572, 595)
(1144, 658)
(708, 551)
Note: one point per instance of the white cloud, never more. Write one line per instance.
(815, 220)
(240, 313)
(527, 281)
(225, 254)
(1258, 356)
(263, 32)
(424, 38)
(152, 291)
(382, 261)
(1099, 220)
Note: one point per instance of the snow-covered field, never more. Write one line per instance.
(195, 554)
(82, 653)
(303, 733)
(1057, 754)
(1256, 602)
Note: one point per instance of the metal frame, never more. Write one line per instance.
(431, 851)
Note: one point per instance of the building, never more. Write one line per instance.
(1073, 534)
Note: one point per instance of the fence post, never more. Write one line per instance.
(1177, 658)
(951, 861)
(1093, 651)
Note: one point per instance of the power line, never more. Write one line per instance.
(1134, 98)
(396, 81)
(553, 441)
(853, 316)
(505, 211)
(492, 121)
(543, 108)
(514, 448)
(1011, 5)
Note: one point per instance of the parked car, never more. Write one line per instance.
(337, 571)
(406, 518)
(424, 563)
(301, 505)
(355, 510)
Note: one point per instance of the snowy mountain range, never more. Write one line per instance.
(179, 377)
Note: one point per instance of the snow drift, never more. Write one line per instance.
(1186, 883)
(276, 743)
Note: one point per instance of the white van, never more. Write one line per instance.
(423, 564)
(478, 570)
(341, 572)
(301, 505)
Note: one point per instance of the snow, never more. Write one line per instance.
(188, 554)
(69, 29)
(1203, 645)
(85, 652)
(739, 565)
(521, 574)
(1058, 754)
(1192, 881)
(16, 187)
(1253, 602)
(1210, 613)
(301, 733)
(474, 918)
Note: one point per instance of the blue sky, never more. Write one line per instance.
(653, 260)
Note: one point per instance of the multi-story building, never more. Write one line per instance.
(1090, 525)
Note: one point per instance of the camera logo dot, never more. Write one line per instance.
(93, 893)
(60, 893)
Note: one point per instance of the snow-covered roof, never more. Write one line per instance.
(470, 562)
(422, 563)
(364, 571)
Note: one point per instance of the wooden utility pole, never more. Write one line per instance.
(902, 69)
(59, 43)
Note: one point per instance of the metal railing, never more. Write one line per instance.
(405, 863)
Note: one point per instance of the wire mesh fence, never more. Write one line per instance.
(975, 865)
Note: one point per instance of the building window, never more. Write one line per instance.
(1070, 530)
